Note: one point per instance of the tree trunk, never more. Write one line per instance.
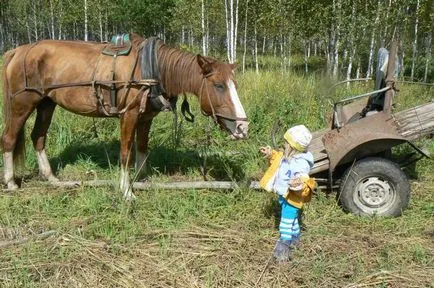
(52, 20)
(289, 51)
(106, 26)
(202, 22)
(337, 39)
(86, 32)
(371, 46)
(350, 64)
(235, 36)
(182, 35)
(35, 21)
(60, 22)
(428, 43)
(414, 54)
(306, 56)
(228, 31)
(351, 43)
(101, 35)
(264, 40)
(256, 50)
(358, 69)
(245, 38)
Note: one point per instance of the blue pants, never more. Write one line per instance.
(289, 227)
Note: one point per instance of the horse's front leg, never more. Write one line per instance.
(44, 114)
(142, 140)
(128, 127)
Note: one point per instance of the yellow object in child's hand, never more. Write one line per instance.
(297, 182)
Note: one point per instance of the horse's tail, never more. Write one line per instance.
(20, 148)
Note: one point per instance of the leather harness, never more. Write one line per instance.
(147, 51)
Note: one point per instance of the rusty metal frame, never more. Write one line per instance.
(367, 136)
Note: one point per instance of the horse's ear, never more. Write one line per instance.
(204, 64)
(233, 66)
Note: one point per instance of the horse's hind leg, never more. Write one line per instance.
(142, 139)
(44, 114)
(18, 110)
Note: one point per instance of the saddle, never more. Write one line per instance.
(119, 45)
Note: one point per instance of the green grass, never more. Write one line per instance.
(217, 238)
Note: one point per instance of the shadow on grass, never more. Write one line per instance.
(273, 209)
(161, 160)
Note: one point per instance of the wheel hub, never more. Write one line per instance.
(374, 195)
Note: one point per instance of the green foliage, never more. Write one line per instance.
(216, 238)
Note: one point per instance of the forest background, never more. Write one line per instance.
(288, 53)
(344, 35)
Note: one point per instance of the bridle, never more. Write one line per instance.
(213, 114)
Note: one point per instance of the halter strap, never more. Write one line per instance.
(213, 114)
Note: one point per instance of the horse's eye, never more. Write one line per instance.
(219, 86)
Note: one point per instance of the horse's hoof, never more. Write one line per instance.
(52, 179)
(12, 185)
(129, 196)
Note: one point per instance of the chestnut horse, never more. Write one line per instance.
(78, 77)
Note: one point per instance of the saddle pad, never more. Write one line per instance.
(119, 45)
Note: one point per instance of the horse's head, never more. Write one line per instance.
(218, 97)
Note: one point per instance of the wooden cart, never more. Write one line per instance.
(353, 154)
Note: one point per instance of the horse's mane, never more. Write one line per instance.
(179, 70)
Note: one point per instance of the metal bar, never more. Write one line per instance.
(349, 80)
(362, 95)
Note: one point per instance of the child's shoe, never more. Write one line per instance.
(282, 251)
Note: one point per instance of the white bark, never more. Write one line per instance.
(256, 50)
(2, 41)
(371, 46)
(86, 32)
(228, 31)
(428, 45)
(235, 36)
(60, 22)
(358, 69)
(231, 13)
(289, 51)
(100, 26)
(245, 37)
(414, 54)
(306, 56)
(204, 52)
(35, 21)
(263, 43)
(337, 39)
(106, 26)
(350, 64)
(53, 36)
(352, 46)
(182, 35)
(29, 33)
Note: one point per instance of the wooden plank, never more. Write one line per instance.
(416, 122)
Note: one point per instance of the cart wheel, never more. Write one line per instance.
(374, 186)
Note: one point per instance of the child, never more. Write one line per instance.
(288, 176)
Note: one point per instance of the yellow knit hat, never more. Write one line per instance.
(298, 137)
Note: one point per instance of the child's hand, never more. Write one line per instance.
(297, 182)
(266, 150)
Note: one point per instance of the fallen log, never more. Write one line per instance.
(41, 236)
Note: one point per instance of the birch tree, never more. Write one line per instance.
(86, 31)
(371, 46)
(231, 14)
(429, 22)
(414, 46)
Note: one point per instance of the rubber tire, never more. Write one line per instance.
(375, 167)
